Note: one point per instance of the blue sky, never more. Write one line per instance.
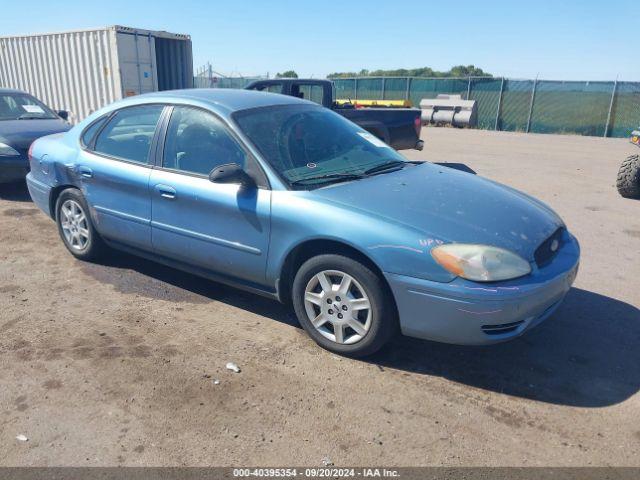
(589, 39)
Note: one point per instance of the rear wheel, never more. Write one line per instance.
(343, 305)
(629, 177)
(75, 226)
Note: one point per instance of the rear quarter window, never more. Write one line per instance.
(90, 132)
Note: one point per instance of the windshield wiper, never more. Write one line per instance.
(327, 178)
(31, 117)
(394, 164)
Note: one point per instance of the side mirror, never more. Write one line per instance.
(231, 173)
(63, 114)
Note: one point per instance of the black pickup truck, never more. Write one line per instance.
(397, 127)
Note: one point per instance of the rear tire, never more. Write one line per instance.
(343, 305)
(629, 177)
(76, 228)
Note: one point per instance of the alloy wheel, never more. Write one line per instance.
(338, 306)
(75, 227)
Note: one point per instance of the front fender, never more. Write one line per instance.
(393, 247)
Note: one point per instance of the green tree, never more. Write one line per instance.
(456, 71)
(287, 74)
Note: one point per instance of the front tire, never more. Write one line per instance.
(343, 305)
(628, 182)
(75, 227)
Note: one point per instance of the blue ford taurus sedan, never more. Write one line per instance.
(285, 198)
(23, 118)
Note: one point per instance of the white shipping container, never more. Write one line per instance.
(81, 71)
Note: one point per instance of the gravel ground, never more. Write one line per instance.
(114, 364)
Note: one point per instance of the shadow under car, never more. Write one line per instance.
(585, 355)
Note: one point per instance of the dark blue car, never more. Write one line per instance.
(23, 119)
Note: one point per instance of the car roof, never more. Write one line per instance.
(221, 100)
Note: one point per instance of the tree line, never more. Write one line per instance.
(456, 71)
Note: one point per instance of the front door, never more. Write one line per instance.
(223, 228)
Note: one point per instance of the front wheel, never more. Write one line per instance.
(75, 226)
(628, 181)
(343, 305)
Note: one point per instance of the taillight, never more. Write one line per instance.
(417, 123)
(30, 152)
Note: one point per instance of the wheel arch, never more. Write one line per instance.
(319, 246)
(55, 194)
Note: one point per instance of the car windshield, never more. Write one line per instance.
(310, 145)
(20, 106)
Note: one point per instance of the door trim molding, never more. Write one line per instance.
(122, 215)
(206, 238)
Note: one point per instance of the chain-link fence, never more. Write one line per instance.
(609, 109)
(568, 107)
(203, 81)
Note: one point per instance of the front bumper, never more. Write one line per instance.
(13, 169)
(470, 313)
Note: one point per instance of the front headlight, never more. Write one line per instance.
(480, 263)
(7, 151)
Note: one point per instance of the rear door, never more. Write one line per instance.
(222, 228)
(114, 169)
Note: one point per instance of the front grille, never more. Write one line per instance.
(501, 328)
(545, 252)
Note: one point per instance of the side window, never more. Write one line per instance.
(197, 142)
(271, 88)
(275, 88)
(310, 92)
(128, 134)
(90, 132)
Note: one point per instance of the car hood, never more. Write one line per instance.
(20, 134)
(447, 205)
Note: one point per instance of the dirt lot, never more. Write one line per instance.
(115, 364)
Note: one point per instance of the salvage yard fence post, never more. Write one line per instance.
(613, 97)
(533, 98)
(495, 127)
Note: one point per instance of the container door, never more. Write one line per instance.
(174, 63)
(136, 53)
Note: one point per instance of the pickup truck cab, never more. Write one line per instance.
(397, 127)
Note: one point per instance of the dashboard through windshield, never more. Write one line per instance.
(312, 145)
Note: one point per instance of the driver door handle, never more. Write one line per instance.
(166, 191)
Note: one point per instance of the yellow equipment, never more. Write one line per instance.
(376, 103)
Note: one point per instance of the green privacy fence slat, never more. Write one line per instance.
(369, 88)
(625, 114)
(571, 107)
(486, 91)
(395, 88)
(563, 107)
(346, 88)
(431, 87)
(516, 100)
